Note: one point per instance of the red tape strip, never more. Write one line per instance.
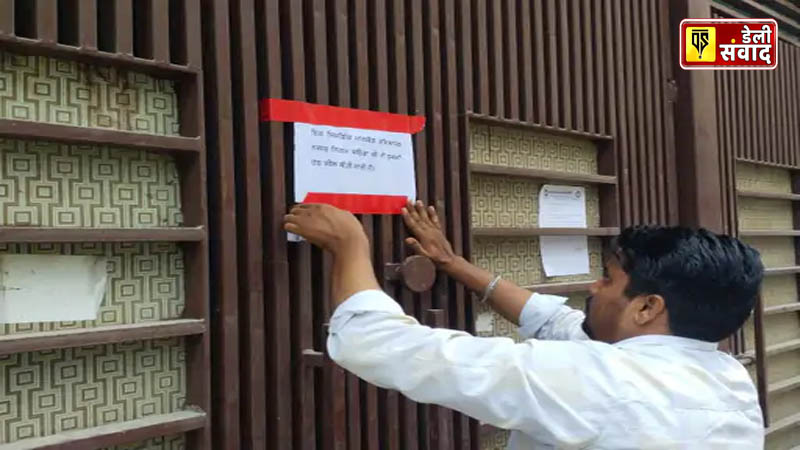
(279, 110)
(360, 203)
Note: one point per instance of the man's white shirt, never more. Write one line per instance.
(557, 389)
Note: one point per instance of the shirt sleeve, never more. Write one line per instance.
(491, 379)
(546, 317)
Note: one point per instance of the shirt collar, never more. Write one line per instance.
(667, 340)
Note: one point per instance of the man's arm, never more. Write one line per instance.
(513, 386)
(539, 316)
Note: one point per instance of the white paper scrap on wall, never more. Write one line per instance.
(51, 288)
(564, 255)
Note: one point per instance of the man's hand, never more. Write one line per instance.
(429, 239)
(326, 226)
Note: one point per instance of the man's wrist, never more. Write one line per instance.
(351, 246)
(453, 265)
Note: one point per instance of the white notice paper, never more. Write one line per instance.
(51, 288)
(352, 161)
(564, 255)
(563, 207)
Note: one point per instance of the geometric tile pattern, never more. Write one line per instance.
(776, 251)
(519, 260)
(51, 184)
(522, 148)
(57, 390)
(494, 440)
(42, 89)
(759, 178)
(146, 282)
(779, 290)
(764, 214)
(507, 202)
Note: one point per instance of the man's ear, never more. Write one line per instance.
(648, 308)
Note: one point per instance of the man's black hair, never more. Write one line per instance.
(708, 281)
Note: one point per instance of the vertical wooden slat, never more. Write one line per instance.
(761, 363)
(222, 201)
(7, 17)
(576, 73)
(564, 72)
(481, 56)
(436, 142)
(47, 20)
(667, 87)
(539, 71)
(360, 85)
(459, 426)
(657, 89)
(756, 98)
(510, 59)
(526, 59)
(781, 113)
(632, 122)
(592, 70)
(338, 45)
(723, 142)
(388, 405)
(159, 35)
(618, 105)
(417, 100)
(765, 101)
(464, 426)
(123, 27)
(438, 417)
(195, 212)
(278, 413)
(639, 149)
(332, 397)
(399, 88)
(87, 24)
(497, 99)
(772, 97)
(647, 139)
(293, 54)
(551, 67)
(598, 52)
(748, 147)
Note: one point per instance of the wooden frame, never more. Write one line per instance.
(184, 66)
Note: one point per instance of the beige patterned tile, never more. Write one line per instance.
(758, 178)
(42, 89)
(509, 202)
(47, 392)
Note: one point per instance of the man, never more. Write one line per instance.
(650, 377)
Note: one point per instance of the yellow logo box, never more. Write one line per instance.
(701, 44)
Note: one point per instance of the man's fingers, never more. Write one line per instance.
(414, 244)
(433, 216)
(423, 215)
(412, 212)
(412, 224)
(291, 227)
